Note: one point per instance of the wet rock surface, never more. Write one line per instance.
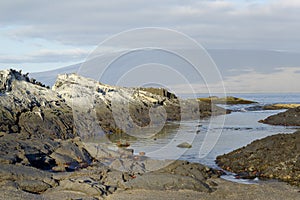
(291, 117)
(274, 157)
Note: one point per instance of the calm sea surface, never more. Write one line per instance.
(217, 135)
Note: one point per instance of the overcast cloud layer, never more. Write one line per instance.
(215, 24)
(42, 35)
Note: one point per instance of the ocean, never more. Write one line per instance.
(216, 135)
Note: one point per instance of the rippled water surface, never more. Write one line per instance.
(211, 137)
(239, 129)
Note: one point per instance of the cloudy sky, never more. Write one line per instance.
(43, 35)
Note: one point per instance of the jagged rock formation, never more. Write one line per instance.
(116, 109)
(41, 155)
(29, 108)
(35, 124)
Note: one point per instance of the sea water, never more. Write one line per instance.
(212, 137)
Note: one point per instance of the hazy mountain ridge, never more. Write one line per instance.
(229, 61)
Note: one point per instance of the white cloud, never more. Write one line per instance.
(46, 56)
(232, 24)
(271, 24)
(282, 80)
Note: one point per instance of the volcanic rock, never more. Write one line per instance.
(291, 117)
(275, 156)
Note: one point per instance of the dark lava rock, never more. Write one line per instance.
(178, 175)
(27, 178)
(276, 156)
(41, 153)
(29, 108)
(33, 186)
(184, 145)
(291, 117)
(33, 119)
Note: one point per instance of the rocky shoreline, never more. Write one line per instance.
(45, 155)
(97, 180)
(291, 117)
(273, 157)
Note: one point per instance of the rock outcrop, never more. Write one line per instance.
(291, 117)
(35, 124)
(43, 157)
(274, 157)
(226, 100)
(160, 91)
(279, 106)
(31, 109)
(98, 181)
(119, 109)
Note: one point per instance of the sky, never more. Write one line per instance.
(44, 35)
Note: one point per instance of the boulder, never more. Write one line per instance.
(33, 186)
(184, 145)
